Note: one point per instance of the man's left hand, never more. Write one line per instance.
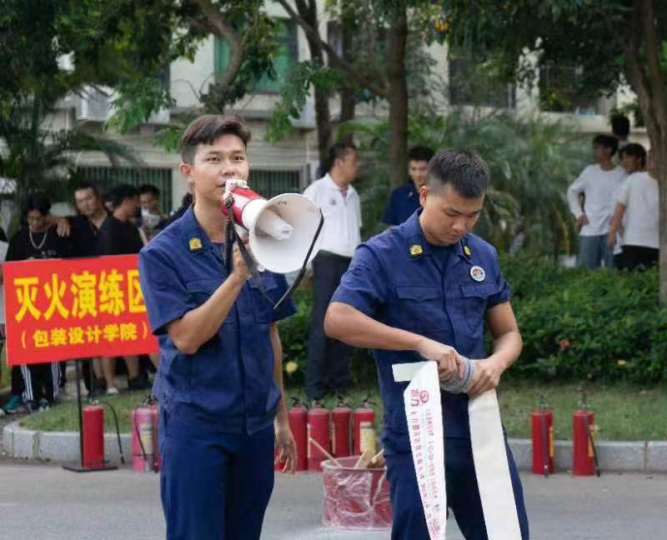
(487, 376)
(286, 447)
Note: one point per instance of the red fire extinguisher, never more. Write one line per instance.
(364, 429)
(93, 437)
(543, 439)
(584, 453)
(145, 454)
(340, 430)
(318, 430)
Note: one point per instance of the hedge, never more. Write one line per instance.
(576, 324)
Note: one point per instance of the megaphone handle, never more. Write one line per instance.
(231, 236)
(302, 272)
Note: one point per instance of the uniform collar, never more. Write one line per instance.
(194, 237)
(412, 190)
(415, 237)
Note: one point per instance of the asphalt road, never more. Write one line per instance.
(45, 502)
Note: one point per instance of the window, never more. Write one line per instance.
(473, 82)
(557, 91)
(272, 183)
(286, 57)
(106, 178)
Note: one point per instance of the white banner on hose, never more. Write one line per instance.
(423, 410)
(492, 468)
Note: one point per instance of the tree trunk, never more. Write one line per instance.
(348, 101)
(398, 99)
(322, 111)
(645, 78)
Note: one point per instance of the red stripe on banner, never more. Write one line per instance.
(61, 309)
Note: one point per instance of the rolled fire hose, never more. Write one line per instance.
(423, 409)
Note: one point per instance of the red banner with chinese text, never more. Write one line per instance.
(60, 309)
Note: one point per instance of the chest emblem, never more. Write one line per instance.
(477, 273)
(416, 250)
(195, 244)
(332, 202)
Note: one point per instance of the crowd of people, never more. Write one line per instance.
(119, 222)
(616, 207)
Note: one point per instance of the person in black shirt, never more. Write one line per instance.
(95, 233)
(38, 240)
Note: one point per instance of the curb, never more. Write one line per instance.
(617, 456)
(59, 446)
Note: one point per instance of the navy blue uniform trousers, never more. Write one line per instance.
(214, 486)
(462, 493)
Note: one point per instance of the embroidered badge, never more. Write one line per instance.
(332, 202)
(477, 273)
(416, 250)
(195, 244)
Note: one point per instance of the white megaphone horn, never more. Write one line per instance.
(281, 229)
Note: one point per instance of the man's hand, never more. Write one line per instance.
(63, 227)
(611, 239)
(449, 361)
(240, 269)
(286, 446)
(487, 376)
(581, 221)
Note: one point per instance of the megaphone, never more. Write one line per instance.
(281, 230)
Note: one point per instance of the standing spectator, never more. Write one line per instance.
(637, 207)
(96, 233)
(38, 240)
(151, 215)
(328, 363)
(596, 184)
(404, 200)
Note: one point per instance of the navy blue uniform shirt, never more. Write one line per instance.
(404, 202)
(228, 383)
(398, 279)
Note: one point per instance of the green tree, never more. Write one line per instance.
(379, 63)
(612, 42)
(52, 49)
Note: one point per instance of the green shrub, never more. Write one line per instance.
(578, 324)
(575, 324)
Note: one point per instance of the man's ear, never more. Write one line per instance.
(186, 171)
(423, 194)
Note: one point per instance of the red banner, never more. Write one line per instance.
(59, 309)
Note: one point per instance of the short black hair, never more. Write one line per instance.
(209, 127)
(149, 188)
(121, 193)
(89, 185)
(620, 125)
(339, 151)
(39, 202)
(636, 150)
(608, 141)
(420, 153)
(464, 170)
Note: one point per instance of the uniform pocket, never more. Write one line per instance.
(263, 307)
(475, 300)
(420, 308)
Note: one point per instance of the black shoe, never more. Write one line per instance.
(31, 406)
(43, 405)
(140, 382)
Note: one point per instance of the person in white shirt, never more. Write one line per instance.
(596, 184)
(328, 363)
(637, 209)
(632, 157)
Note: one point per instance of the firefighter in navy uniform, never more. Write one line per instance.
(220, 378)
(422, 290)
